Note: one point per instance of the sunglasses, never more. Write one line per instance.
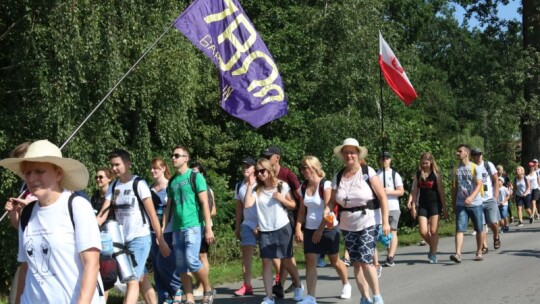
(176, 155)
(304, 167)
(260, 171)
(99, 177)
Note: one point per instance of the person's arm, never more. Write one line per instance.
(285, 200)
(442, 196)
(413, 198)
(238, 214)
(377, 187)
(454, 191)
(495, 183)
(213, 212)
(300, 220)
(203, 202)
(398, 191)
(21, 281)
(14, 207)
(478, 185)
(104, 212)
(90, 262)
(528, 183)
(167, 212)
(154, 221)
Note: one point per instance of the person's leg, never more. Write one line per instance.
(520, 214)
(180, 239)
(360, 279)
(340, 268)
(167, 269)
(140, 247)
(476, 215)
(132, 292)
(462, 220)
(267, 276)
(147, 291)
(433, 223)
(198, 287)
(423, 229)
(311, 273)
(247, 259)
(161, 286)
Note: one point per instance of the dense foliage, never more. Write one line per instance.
(59, 58)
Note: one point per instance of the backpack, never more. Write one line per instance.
(155, 198)
(473, 171)
(303, 188)
(27, 212)
(193, 183)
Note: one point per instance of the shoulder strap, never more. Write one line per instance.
(393, 177)
(237, 188)
(338, 177)
(321, 188)
(365, 172)
(303, 188)
(488, 168)
(26, 213)
(193, 181)
(279, 186)
(139, 200)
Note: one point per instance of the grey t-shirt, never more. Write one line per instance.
(466, 182)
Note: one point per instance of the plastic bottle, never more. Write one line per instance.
(106, 244)
(329, 220)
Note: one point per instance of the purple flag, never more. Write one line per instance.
(251, 87)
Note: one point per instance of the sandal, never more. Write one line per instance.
(484, 249)
(496, 242)
(208, 297)
(479, 257)
(179, 293)
(456, 258)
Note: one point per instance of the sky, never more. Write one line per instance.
(505, 11)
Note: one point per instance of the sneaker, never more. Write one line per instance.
(520, 224)
(433, 259)
(456, 258)
(308, 300)
(321, 262)
(473, 233)
(377, 299)
(365, 301)
(422, 243)
(511, 219)
(268, 300)
(277, 290)
(290, 288)
(379, 270)
(389, 262)
(346, 291)
(531, 220)
(245, 290)
(346, 261)
(299, 293)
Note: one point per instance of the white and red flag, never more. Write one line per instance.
(394, 73)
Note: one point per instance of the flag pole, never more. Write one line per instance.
(108, 95)
(383, 140)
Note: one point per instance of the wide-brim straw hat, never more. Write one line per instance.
(75, 174)
(362, 151)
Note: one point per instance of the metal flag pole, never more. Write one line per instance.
(107, 95)
(383, 137)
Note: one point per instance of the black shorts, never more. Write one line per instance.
(329, 243)
(429, 210)
(205, 247)
(535, 195)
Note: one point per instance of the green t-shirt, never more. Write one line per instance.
(187, 212)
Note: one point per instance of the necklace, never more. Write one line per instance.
(347, 191)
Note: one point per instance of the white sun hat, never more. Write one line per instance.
(75, 174)
(362, 151)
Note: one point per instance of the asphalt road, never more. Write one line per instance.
(510, 274)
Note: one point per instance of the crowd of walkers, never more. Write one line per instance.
(66, 245)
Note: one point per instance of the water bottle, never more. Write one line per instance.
(106, 244)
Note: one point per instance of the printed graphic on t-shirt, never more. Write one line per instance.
(465, 182)
(425, 184)
(38, 251)
(125, 202)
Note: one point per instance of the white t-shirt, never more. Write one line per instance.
(315, 207)
(393, 201)
(486, 180)
(127, 209)
(503, 192)
(271, 214)
(250, 214)
(533, 180)
(51, 246)
(358, 193)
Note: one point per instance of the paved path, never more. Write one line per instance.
(510, 274)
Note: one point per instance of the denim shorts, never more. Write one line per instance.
(491, 212)
(187, 244)
(503, 210)
(475, 213)
(247, 236)
(140, 246)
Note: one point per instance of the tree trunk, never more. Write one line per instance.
(530, 124)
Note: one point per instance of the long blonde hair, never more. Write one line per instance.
(433, 166)
(265, 163)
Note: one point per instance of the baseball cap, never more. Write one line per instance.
(249, 161)
(384, 239)
(476, 151)
(385, 154)
(535, 160)
(272, 150)
(501, 179)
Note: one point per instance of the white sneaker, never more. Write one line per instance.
(267, 300)
(346, 291)
(299, 293)
(308, 300)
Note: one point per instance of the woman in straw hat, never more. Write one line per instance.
(359, 192)
(59, 252)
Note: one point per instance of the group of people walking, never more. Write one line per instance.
(170, 220)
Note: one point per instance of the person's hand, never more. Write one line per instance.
(163, 247)
(209, 235)
(278, 196)
(317, 236)
(299, 235)
(256, 231)
(386, 229)
(445, 214)
(413, 213)
(16, 204)
(468, 200)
